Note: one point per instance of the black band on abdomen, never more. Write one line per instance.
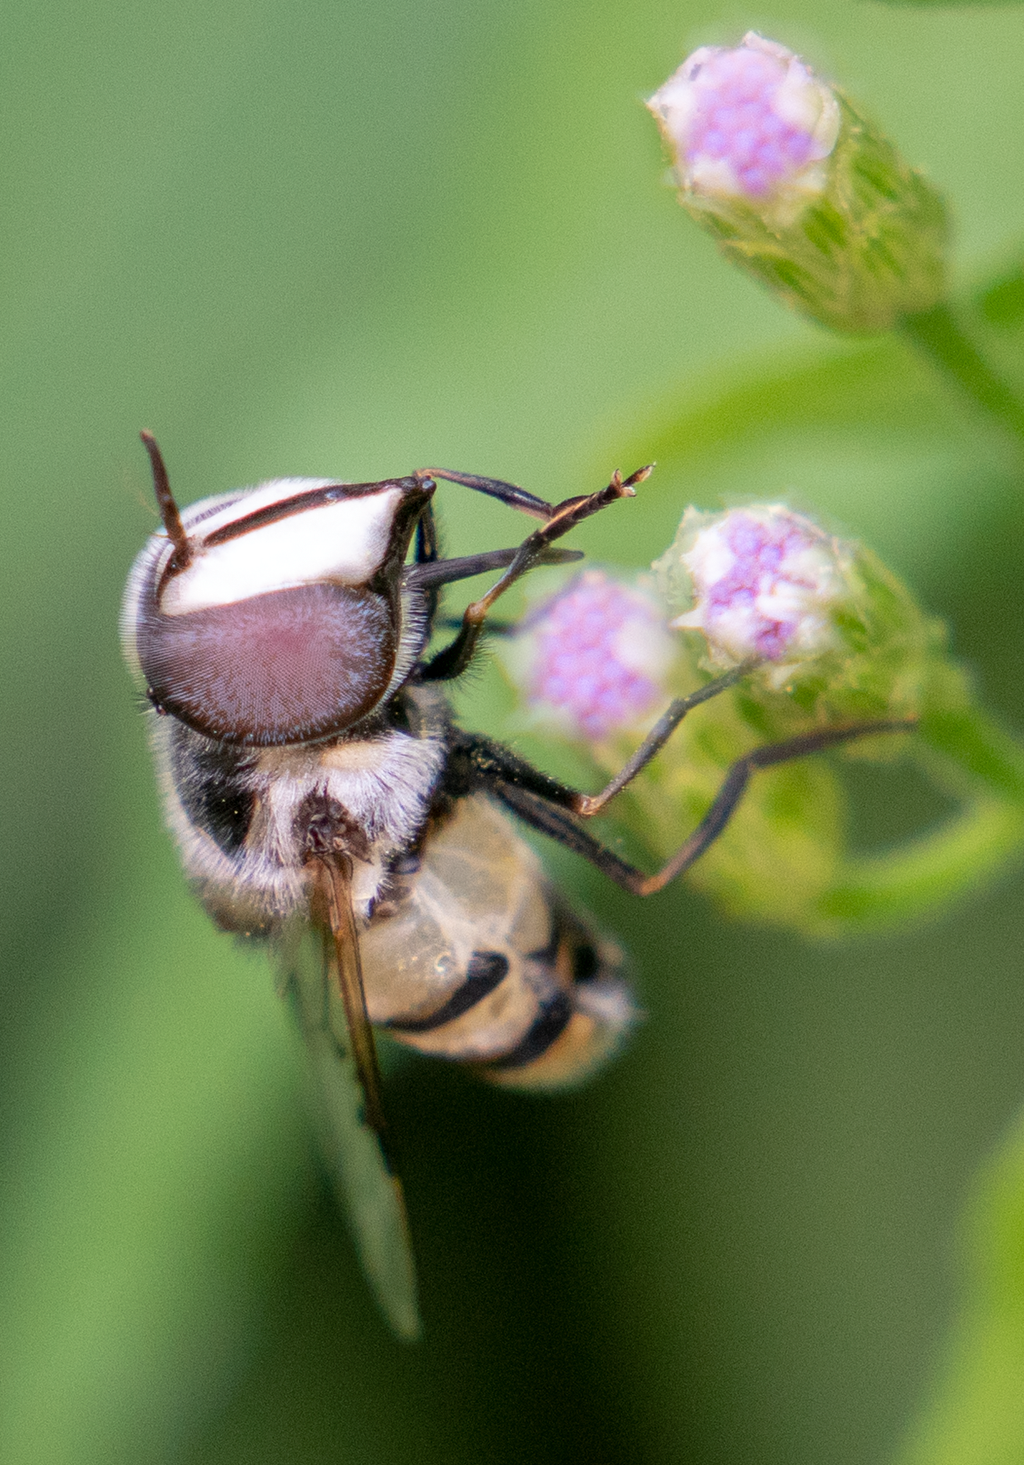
(486, 970)
(549, 1025)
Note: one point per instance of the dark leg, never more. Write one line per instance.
(425, 553)
(429, 574)
(492, 626)
(545, 807)
(476, 762)
(586, 805)
(426, 550)
(508, 493)
(482, 757)
(454, 658)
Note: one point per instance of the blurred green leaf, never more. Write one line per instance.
(993, 316)
(1001, 303)
(871, 437)
(975, 1415)
(143, 1188)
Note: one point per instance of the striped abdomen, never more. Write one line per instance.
(483, 964)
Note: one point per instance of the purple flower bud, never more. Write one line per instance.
(592, 657)
(752, 122)
(799, 189)
(764, 582)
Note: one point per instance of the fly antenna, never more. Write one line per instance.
(165, 503)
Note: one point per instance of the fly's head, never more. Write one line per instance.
(274, 615)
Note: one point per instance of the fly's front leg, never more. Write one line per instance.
(426, 552)
(497, 488)
(454, 658)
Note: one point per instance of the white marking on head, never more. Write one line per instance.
(344, 541)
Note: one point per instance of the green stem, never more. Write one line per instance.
(870, 891)
(974, 745)
(873, 891)
(938, 336)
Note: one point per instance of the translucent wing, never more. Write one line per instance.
(324, 982)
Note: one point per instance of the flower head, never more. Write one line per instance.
(592, 655)
(764, 582)
(801, 190)
(747, 122)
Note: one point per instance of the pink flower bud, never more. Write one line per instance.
(751, 122)
(591, 657)
(764, 583)
(799, 189)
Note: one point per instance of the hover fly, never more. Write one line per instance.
(323, 799)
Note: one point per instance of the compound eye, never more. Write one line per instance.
(274, 616)
(286, 667)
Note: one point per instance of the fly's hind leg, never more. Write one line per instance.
(554, 808)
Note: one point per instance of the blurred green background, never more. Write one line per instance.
(351, 238)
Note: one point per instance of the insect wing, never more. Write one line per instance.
(320, 968)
